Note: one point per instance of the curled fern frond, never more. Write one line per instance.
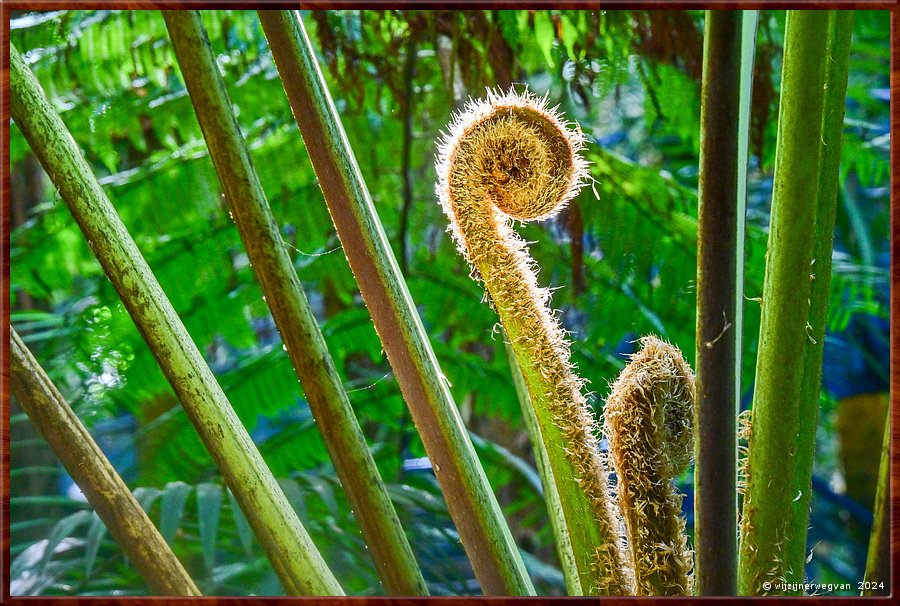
(509, 157)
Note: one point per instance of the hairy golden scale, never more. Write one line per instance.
(648, 420)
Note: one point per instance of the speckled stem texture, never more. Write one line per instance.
(284, 539)
(482, 529)
(840, 30)
(147, 551)
(648, 419)
(784, 336)
(302, 337)
(506, 158)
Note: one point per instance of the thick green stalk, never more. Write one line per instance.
(284, 539)
(784, 335)
(305, 344)
(105, 491)
(840, 30)
(551, 494)
(473, 506)
(878, 562)
(715, 413)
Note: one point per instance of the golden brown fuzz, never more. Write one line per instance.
(648, 420)
(509, 158)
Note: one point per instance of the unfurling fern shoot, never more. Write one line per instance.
(510, 158)
(648, 421)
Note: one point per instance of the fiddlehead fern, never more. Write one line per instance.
(648, 420)
(509, 158)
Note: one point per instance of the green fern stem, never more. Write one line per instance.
(294, 556)
(840, 30)
(96, 477)
(878, 561)
(551, 494)
(483, 531)
(784, 339)
(510, 158)
(353, 462)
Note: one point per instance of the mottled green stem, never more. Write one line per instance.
(784, 329)
(878, 562)
(473, 506)
(551, 494)
(293, 555)
(840, 29)
(94, 475)
(715, 415)
(284, 295)
(594, 539)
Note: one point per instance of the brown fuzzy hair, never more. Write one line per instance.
(649, 424)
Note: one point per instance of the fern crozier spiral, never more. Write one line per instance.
(508, 158)
(514, 152)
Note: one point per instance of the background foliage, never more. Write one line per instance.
(623, 258)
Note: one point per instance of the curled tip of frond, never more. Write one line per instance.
(514, 151)
(656, 392)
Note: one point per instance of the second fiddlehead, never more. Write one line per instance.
(649, 423)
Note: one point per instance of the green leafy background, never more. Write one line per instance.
(622, 258)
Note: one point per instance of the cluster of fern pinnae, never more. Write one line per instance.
(648, 421)
(507, 158)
